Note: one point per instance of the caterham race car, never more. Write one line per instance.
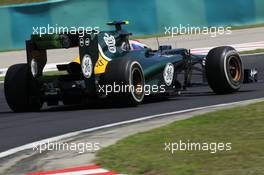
(110, 68)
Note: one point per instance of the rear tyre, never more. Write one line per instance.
(223, 68)
(21, 90)
(126, 76)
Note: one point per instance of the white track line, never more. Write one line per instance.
(238, 47)
(3, 72)
(72, 134)
(83, 172)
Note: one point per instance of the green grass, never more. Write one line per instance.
(10, 2)
(54, 73)
(149, 36)
(252, 51)
(144, 153)
(51, 75)
(10, 50)
(47, 75)
(163, 34)
(247, 26)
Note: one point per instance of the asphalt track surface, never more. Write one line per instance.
(17, 129)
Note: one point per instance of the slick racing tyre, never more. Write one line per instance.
(128, 75)
(223, 68)
(21, 91)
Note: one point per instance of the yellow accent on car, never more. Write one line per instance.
(77, 60)
(100, 64)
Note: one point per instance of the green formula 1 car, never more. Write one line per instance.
(109, 68)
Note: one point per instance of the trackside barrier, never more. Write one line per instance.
(146, 17)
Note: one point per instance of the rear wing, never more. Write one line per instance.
(95, 49)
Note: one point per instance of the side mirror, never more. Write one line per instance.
(148, 52)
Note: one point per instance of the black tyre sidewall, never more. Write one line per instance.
(217, 75)
(136, 66)
(18, 87)
(120, 72)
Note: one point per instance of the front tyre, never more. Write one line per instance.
(21, 90)
(223, 68)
